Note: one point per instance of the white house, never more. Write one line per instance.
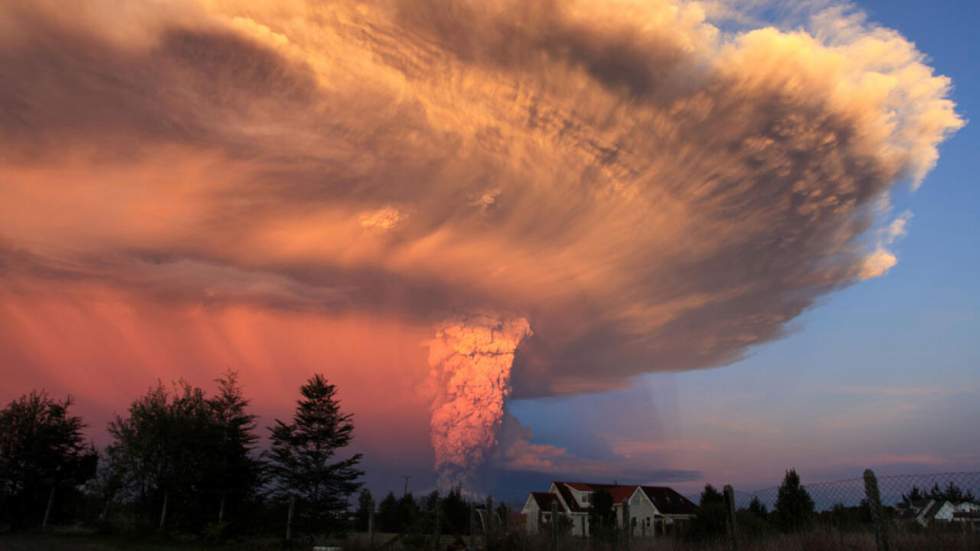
(652, 510)
(927, 511)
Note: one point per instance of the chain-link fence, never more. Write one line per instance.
(908, 511)
(895, 491)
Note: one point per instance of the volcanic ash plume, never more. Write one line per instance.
(654, 186)
(471, 360)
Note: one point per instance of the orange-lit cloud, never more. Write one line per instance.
(647, 191)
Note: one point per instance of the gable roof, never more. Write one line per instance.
(545, 499)
(568, 498)
(665, 499)
(933, 507)
(668, 501)
(619, 493)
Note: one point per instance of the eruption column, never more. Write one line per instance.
(471, 359)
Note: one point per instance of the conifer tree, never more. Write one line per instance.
(757, 508)
(304, 462)
(794, 507)
(235, 471)
(712, 515)
(388, 519)
(365, 508)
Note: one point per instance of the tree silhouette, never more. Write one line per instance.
(455, 512)
(794, 506)
(41, 449)
(303, 457)
(167, 449)
(388, 520)
(914, 495)
(408, 513)
(752, 521)
(106, 485)
(602, 516)
(757, 508)
(431, 513)
(712, 514)
(365, 507)
(951, 492)
(235, 472)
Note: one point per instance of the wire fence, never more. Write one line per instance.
(896, 491)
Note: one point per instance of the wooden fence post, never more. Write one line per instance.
(877, 515)
(163, 510)
(554, 525)
(47, 510)
(289, 519)
(732, 525)
(371, 527)
(488, 521)
(627, 525)
(474, 520)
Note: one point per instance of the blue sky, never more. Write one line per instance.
(883, 374)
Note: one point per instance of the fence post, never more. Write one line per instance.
(627, 525)
(437, 528)
(47, 510)
(877, 515)
(371, 527)
(163, 510)
(732, 525)
(474, 520)
(289, 519)
(554, 525)
(488, 521)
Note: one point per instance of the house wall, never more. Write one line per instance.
(580, 525)
(580, 522)
(967, 507)
(581, 497)
(531, 515)
(649, 521)
(945, 513)
(645, 514)
(537, 520)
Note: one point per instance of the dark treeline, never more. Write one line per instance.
(449, 514)
(794, 512)
(180, 461)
